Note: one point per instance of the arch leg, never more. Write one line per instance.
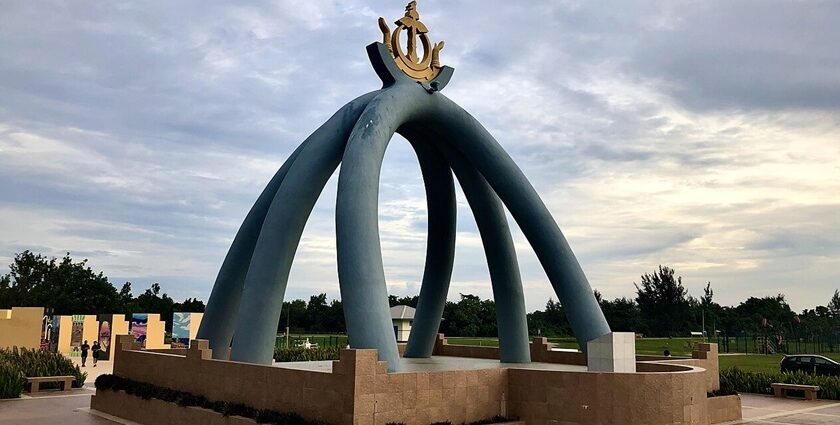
(268, 272)
(361, 276)
(357, 219)
(220, 314)
(511, 315)
(510, 184)
(440, 249)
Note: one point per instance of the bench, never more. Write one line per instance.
(35, 383)
(809, 390)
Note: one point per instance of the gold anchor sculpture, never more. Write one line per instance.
(421, 70)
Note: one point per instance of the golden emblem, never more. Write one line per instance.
(425, 69)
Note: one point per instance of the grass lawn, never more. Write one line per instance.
(649, 346)
(759, 362)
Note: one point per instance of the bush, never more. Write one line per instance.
(300, 354)
(759, 382)
(34, 363)
(11, 381)
(185, 399)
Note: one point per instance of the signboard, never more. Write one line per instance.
(105, 321)
(138, 327)
(76, 335)
(56, 324)
(46, 331)
(181, 330)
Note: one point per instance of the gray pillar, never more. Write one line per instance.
(440, 248)
(500, 253)
(268, 272)
(511, 316)
(523, 202)
(364, 294)
(223, 304)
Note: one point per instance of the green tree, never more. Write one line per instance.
(663, 303)
(551, 321)
(471, 316)
(834, 305)
(65, 286)
(623, 315)
(410, 301)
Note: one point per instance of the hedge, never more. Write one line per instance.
(759, 382)
(11, 381)
(300, 354)
(185, 399)
(34, 363)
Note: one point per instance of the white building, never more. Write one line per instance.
(402, 316)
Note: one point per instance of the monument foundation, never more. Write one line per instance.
(555, 387)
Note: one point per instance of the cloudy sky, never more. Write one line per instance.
(703, 135)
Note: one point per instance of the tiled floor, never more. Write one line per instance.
(439, 363)
(51, 410)
(768, 410)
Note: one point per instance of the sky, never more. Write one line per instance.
(701, 135)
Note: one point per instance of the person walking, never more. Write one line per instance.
(96, 350)
(85, 348)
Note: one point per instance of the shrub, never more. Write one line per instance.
(759, 382)
(34, 363)
(185, 399)
(300, 354)
(12, 381)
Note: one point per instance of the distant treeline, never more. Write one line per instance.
(661, 307)
(65, 287)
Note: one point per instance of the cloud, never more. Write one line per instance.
(700, 135)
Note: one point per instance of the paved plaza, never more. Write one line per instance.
(768, 410)
(439, 363)
(73, 409)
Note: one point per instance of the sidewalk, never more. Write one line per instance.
(769, 410)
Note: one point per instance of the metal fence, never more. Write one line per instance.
(307, 340)
(777, 343)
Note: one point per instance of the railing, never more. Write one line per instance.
(777, 343)
(314, 340)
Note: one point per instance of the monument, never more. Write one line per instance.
(244, 307)
(227, 375)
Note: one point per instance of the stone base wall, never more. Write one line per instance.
(360, 391)
(724, 409)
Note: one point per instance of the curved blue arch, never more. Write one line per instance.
(357, 235)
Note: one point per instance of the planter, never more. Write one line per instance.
(158, 412)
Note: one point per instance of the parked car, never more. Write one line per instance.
(810, 363)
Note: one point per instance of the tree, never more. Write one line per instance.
(663, 303)
(295, 312)
(834, 305)
(151, 301)
(190, 305)
(64, 286)
(410, 301)
(623, 315)
(551, 322)
(471, 316)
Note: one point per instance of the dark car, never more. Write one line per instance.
(810, 363)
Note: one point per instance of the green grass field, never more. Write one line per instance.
(649, 346)
(759, 362)
(646, 346)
